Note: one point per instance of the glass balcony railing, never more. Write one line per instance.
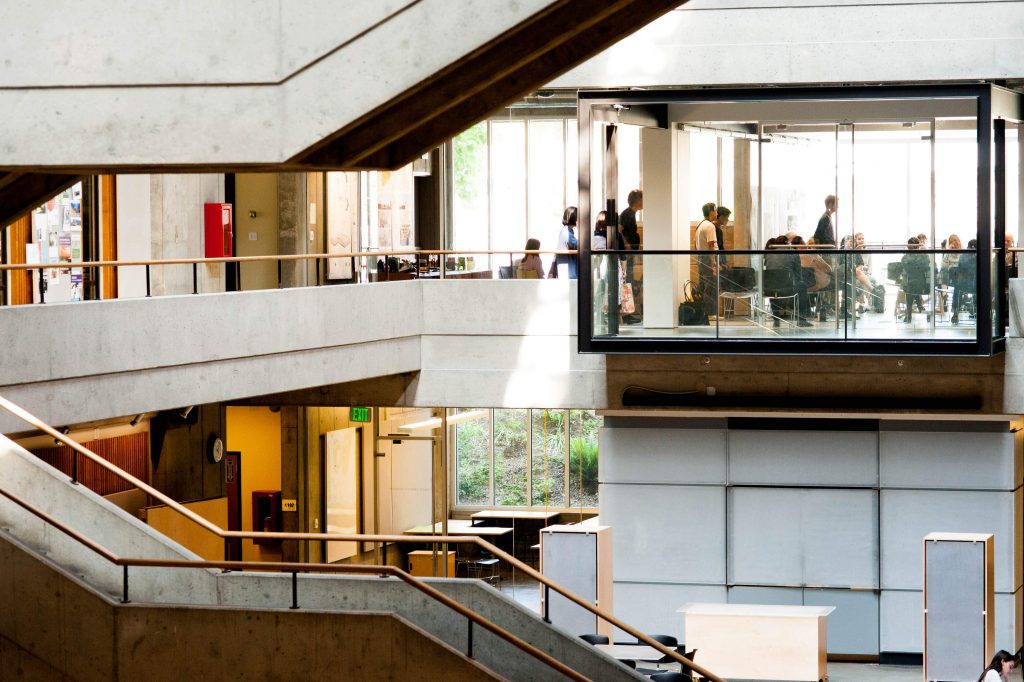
(805, 295)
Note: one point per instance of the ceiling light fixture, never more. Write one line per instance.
(435, 422)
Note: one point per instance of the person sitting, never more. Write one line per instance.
(999, 669)
(530, 263)
(822, 272)
(600, 241)
(917, 270)
(781, 257)
(966, 278)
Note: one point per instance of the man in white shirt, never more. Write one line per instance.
(707, 265)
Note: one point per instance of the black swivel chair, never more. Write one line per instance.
(778, 285)
(667, 640)
(506, 272)
(595, 639)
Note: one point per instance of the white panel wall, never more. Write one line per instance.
(666, 533)
(808, 515)
(908, 515)
(788, 536)
(845, 458)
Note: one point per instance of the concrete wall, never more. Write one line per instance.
(727, 42)
(296, 74)
(181, 350)
(740, 511)
(55, 627)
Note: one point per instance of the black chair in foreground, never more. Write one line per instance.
(667, 640)
(594, 639)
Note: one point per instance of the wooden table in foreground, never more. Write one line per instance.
(758, 641)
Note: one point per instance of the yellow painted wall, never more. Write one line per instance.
(256, 433)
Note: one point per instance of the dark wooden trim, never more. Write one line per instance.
(532, 53)
(19, 281)
(22, 192)
(108, 233)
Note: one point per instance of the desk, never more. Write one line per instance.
(631, 652)
(513, 515)
(459, 527)
(759, 642)
(421, 563)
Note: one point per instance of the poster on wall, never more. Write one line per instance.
(342, 221)
(395, 209)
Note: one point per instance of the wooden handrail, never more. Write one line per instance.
(321, 537)
(293, 567)
(272, 258)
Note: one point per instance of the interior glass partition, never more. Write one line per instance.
(861, 220)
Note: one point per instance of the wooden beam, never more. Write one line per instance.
(25, 191)
(529, 55)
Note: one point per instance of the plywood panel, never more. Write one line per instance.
(662, 455)
(845, 458)
(669, 533)
(108, 233)
(908, 515)
(19, 282)
(190, 535)
(792, 536)
(130, 452)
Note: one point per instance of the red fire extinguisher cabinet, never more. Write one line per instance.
(219, 224)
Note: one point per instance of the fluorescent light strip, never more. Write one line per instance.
(435, 422)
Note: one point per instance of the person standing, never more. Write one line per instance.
(721, 222)
(707, 265)
(631, 241)
(825, 234)
(567, 241)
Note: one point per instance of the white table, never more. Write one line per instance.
(759, 641)
(632, 652)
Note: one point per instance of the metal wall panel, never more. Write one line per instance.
(667, 533)
(652, 607)
(662, 455)
(908, 515)
(793, 536)
(947, 460)
(847, 458)
(853, 626)
(901, 619)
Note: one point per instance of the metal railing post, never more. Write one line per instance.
(195, 278)
(147, 281)
(124, 587)
(74, 467)
(42, 285)
(295, 590)
(280, 277)
(469, 642)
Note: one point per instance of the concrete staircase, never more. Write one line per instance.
(59, 601)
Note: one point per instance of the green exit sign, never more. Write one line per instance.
(360, 414)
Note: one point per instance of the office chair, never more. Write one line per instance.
(594, 639)
(736, 283)
(778, 286)
(505, 272)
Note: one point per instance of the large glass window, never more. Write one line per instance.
(511, 181)
(541, 458)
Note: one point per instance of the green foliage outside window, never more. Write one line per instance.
(469, 161)
(531, 458)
